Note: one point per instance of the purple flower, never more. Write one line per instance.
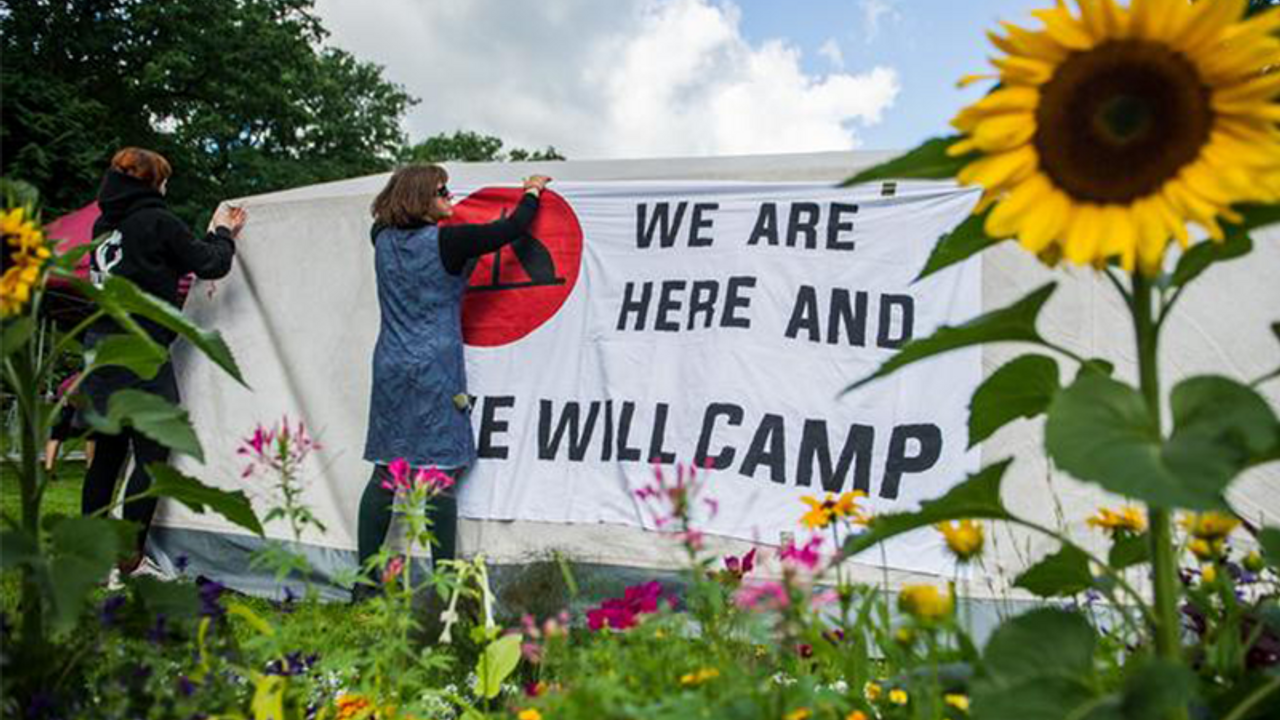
(210, 595)
(185, 687)
(181, 562)
(158, 632)
(109, 613)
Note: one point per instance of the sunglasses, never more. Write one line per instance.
(443, 192)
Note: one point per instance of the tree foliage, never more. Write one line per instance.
(240, 95)
(467, 146)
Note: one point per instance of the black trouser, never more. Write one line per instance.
(108, 460)
(375, 518)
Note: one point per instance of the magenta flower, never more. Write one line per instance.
(405, 479)
(807, 556)
(622, 613)
(739, 567)
(762, 596)
(393, 569)
(280, 448)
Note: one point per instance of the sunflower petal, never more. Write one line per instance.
(1000, 169)
(1005, 218)
(1004, 132)
(1083, 233)
(1064, 29)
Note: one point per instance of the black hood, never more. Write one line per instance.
(121, 195)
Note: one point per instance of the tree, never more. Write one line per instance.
(240, 95)
(467, 146)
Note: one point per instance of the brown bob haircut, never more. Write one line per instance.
(145, 165)
(409, 197)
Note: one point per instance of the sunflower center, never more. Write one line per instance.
(1116, 122)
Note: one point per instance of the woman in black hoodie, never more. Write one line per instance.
(148, 245)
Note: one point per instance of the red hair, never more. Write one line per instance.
(146, 165)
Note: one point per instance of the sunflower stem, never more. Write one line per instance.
(1164, 566)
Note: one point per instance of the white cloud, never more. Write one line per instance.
(874, 12)
(627, 78)
(831, 51)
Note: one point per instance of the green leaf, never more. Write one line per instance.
(1021, 388)
(1200, 256)
(1156, 689)
(977, 497)
(234, 506)
(1129, 550)
(963, 242)
(1013, 323)
(1269, 539)
(928, 161)
(499, 660)
(174, 600)
(1099, 431)
(1045, 698)
(1063, 573)
(82, 551)
(18, 548)
(118, 296)
(16, 334)
(1219, 424)
(150, 415)
(140, 354)
(1016, 651)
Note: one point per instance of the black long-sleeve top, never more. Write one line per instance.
(460, 243)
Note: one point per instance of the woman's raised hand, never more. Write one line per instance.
(536, 182)
(232, 218)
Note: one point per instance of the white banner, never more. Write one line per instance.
(717, 323)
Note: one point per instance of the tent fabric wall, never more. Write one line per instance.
(302, 297)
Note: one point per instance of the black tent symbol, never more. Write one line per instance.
(533, 256)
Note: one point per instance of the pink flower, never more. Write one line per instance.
(622, 613)
(807, 557)
(738, 567)
(405, 479)
(393, 569)
(762, 596)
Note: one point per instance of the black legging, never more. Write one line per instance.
(108, 460)
(375, 518)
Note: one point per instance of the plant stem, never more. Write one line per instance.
(1163, 563)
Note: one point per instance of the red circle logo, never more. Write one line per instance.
(515, 290)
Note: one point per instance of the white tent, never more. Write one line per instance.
(300, 313)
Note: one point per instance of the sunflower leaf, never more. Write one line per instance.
(928, 161)
(1021, 388)
(966, 240)
(1063, 573)
(977, 497)
(1099, 430)
(1129, 550)
(1016, 322)
(1203, 254)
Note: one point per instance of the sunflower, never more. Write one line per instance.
(1124, 520)
(1113, 128)
(925, 602)
(964, 539)
(28, 256)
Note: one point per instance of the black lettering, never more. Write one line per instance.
(766, 225)
(661, 216)
(929, 439)
(805, 315)
(887, 304)
(835, 226)
(667, 305)
(656, 453)
(768, 447)
(699, 223)
(733, 415)
(804, 221)
(549, 443)
(702, 299)
(490, 425)
(625, 453)
(734, 300)
(639, 307)
(852, 319)
(606, 444)
(813, 446)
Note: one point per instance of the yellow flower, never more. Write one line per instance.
(1253, 562)
(798, 714)
(964, 539)
(1208, 573)
(856, 715)
(871, 691)
(1206, 549)
(925, 602)
(699, 677)
(529, 714)
(1113, 128)
(351, 705)
(898, 697)
(822, 512)
(1124, 520)
(28, 257)
(957, 701)
(1210, 525)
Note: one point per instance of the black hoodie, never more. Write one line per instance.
(149, 245)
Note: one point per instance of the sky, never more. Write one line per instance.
(671, 78)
